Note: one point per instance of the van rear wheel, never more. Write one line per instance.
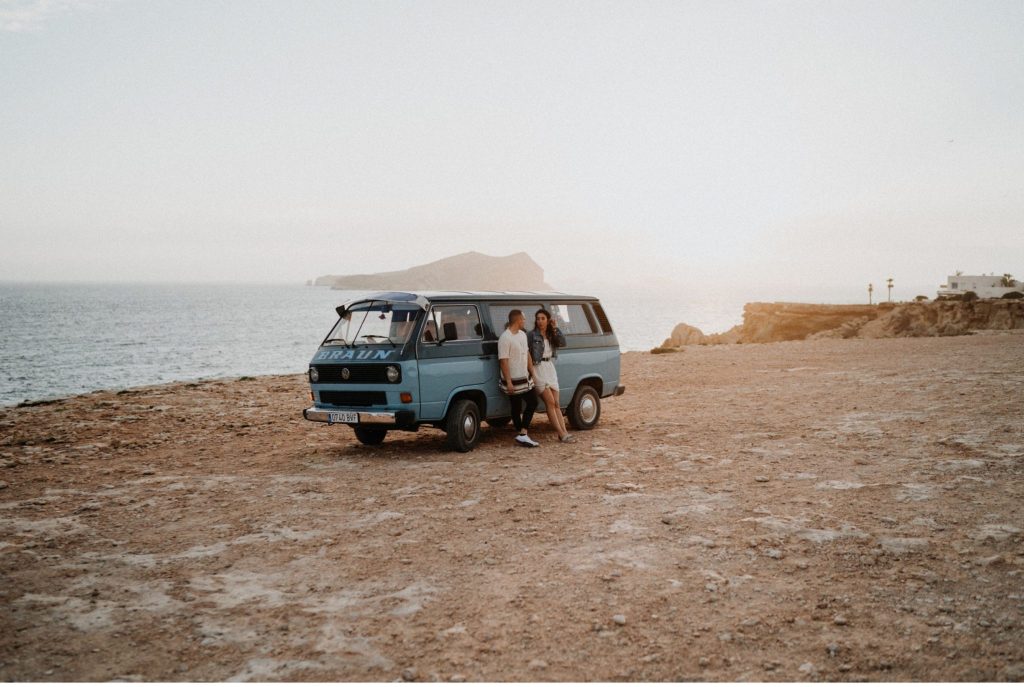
(371, 436)
(585, 408)
(463, 425)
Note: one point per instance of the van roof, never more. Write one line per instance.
(503, 295)
(442, 296)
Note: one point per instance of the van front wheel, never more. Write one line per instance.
(585, 408)
(371, 436)
(463, 425)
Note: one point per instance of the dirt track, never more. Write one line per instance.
(810, 510)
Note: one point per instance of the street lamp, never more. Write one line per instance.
(889, 284)
(871, 288)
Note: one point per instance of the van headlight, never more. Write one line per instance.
(392, 373)
(314, 375)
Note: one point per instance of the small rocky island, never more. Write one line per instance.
(470, 271)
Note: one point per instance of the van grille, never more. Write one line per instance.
(354, 398)
(358, 374)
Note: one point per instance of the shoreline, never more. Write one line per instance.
(30, 403)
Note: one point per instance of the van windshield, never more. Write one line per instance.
(374, 323)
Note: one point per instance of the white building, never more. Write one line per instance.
(985, 285)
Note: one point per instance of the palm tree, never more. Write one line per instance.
(888, 283)
(1007, 280)
(871, 288)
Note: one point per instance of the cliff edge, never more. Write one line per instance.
(470, 271)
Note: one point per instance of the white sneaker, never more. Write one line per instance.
(524, 440)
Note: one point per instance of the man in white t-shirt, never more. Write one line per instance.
(516, 371)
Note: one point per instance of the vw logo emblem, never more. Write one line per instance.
(345, 373)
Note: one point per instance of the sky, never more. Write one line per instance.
(774, 147)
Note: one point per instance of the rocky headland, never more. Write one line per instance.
(771, 322)
(470, 271)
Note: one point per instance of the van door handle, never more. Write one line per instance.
(486, 357)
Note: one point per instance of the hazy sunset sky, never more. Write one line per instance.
(767, 145)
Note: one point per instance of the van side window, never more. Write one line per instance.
(573, 318)
(500, 311)
(606, 326)
(453, 323)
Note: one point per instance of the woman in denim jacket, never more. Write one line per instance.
(544, 341)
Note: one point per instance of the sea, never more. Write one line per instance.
(58, 340)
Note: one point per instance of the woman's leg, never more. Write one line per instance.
(554, 412)
(558, 412)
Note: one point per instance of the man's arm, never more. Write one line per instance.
(504, 353)
(505, 373)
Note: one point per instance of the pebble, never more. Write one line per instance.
(806, 668)
(537, 664)
(8, 464)
(623, 486)
(3, 485)
(619, 619)
(839, 620)
(410, 674)
(703, 662)
(773, 553)
(761, 478)
(457, 677)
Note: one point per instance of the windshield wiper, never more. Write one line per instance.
(378, 336)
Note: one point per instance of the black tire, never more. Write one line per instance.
(371, 436)
(585, 408)
(463, 425)
(498, 422)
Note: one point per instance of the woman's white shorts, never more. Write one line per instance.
(546, 377)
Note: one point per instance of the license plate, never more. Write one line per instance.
(342, 416)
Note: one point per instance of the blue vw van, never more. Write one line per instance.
(395, 361)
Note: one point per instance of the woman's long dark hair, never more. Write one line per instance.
(548, 333)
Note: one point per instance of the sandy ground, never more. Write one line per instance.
(795, 511)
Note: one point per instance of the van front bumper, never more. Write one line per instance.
(399, 418)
